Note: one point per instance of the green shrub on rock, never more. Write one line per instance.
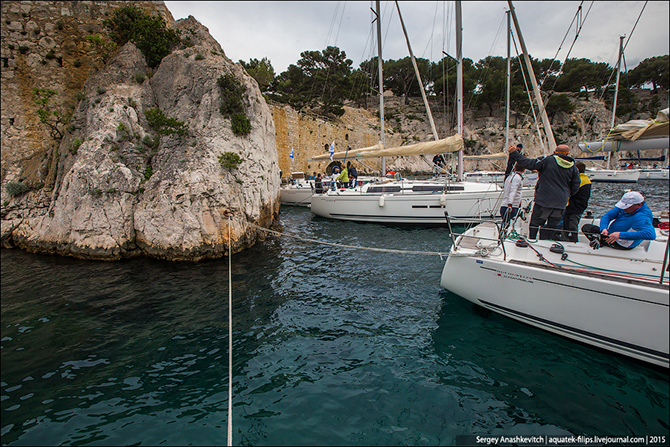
(15, 189)
(164, 125)
(230, 160)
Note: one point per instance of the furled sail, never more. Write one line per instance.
(453, 143)
(497, 155)
(634, 135)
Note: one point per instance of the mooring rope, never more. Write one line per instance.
(333, 244)
(230, 341)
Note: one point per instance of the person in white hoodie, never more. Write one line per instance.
(511, 200)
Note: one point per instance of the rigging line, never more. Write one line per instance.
(634, 26)
(332, 244)
(485, 73)
(323, 91)
(630, 97)
(530, 100)
(603, 90)
(430, 40)
(570, 50)
(579, 8)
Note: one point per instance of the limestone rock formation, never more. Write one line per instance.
(121, 190)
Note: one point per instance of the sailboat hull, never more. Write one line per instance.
(411, 209)
(617, 313)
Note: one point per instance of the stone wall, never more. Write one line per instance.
(44, 45)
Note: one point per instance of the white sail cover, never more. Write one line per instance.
(635, 129)
(633, 135)
(453, 143)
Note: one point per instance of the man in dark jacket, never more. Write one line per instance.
(558, 179)
(576, 206)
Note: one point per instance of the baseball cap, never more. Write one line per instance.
(629, 199)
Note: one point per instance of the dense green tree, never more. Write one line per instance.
(558, 103)
(320, 78)
(492, 81)
(400, 76)
(262, 71)
(448, 79)
(149, 33)
(653, 70)
(583, 74)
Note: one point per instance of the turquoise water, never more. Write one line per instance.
(331, 346)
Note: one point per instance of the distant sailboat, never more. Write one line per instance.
(415, 202)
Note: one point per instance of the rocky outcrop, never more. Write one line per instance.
(121, 190)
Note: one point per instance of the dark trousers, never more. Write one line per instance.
(508, 214)
(571, 227)
(592, 232)
(547, 218)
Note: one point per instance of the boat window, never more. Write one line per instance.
(420, 188)
(384, 189)
(419, 206)
(456, 188)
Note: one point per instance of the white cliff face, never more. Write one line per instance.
(118, 197)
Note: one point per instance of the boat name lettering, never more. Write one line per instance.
(514, 276)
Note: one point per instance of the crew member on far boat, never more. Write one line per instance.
(558, 179)
(625, 226)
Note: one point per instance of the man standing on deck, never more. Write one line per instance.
(576, 206)
(558, 179)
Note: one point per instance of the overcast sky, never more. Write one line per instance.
(281, 30)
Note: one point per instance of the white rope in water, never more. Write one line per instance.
(230, 341)
(385, 250)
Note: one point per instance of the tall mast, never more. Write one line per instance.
(509, 32)
(459, 84)
(616, 91)
(381, 80)
(418, 75)
(536, 90)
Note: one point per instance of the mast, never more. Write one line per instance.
(418, 76)
(536, 90)
(616, 91)
(381, 80)
(509, 33)
(459, 83)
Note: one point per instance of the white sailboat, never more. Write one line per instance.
(613, 175)
(612, 299)
(416, 202)
(297, 191)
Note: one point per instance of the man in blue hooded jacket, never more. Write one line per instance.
(558, 179)
(625, 226)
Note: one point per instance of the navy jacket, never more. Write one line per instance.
(580, 201)
(558, 178)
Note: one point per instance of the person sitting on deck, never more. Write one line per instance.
(625, 226)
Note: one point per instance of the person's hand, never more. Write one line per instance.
(612, 238)
(604, 232)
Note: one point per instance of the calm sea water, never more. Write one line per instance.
(331, 346)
